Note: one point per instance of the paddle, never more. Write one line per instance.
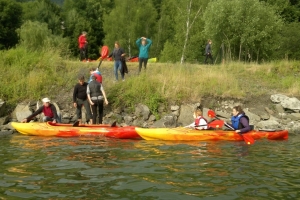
(76, 124)
(247, 138)
(114, 124)
(104, 54)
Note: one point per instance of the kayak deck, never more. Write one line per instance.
(181, 133)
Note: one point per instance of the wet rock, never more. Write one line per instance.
(6, 133)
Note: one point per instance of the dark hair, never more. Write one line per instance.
(92, 69)
(81, 77)
(238, 109)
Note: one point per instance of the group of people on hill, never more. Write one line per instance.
(239, 121)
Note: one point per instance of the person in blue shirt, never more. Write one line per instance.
(143, 44)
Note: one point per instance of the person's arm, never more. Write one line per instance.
(246, 125)
(138, 42)
(110, 55)
(104, 95)
(149, 42)
(122, 52)
(38, 111)
(75, 92)
(88, 95)
(192, 125)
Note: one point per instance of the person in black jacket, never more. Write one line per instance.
(80, 99)
(96, 95)
(208, 53)
(49, 111)
(117, 55)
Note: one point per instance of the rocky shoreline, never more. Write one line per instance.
(282, 112)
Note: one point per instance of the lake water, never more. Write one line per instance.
(102, 168)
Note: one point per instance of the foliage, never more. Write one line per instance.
(10, 20)
(36, 36)
(243, 26)
(138, 20)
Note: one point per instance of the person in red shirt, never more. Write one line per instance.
(83, 46)
(49, 111)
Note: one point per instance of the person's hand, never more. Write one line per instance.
(24, 121)
(75, 105)
(237, 131)
(92, 103)
(54, 121)
(106, 102)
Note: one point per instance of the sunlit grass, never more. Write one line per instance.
(32, 75)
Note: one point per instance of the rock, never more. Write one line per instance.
(269, 124)
(186, 115)
(176, 112)
(6, 133)
(152, 118)
(128, 119)
(2, 107)
(161, 109)
(286, 102)
(295, 116)
(168, 121)
(8, 127)
(21, 111)
(4, 120)
(252, 117)
(142, 111)
(279, 108)
(66, 116)
(174, 108)
(269, 111)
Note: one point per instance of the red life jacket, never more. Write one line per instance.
(197, 120)
(48, 111)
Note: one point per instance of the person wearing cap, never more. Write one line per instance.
(96, 95)
(80, 99)
(49, 111)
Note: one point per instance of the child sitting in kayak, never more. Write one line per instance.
(200, 122)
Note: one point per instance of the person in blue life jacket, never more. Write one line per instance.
(200, 122)
(239, 120)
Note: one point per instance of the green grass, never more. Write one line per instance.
(29, 75)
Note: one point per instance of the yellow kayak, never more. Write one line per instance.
(182, 133)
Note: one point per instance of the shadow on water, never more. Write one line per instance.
(104, 168)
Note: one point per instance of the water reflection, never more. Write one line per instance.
(104, 168)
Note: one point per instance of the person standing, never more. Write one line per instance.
(208, 52)
(49, 111)
(80, 99)
(143, 44)
(83, 46)
(96, 95)
(117, 55)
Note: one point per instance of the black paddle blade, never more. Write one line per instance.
(76, 123)
(114, 124)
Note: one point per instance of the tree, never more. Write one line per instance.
(138, 19)
(243, 26)
(10, 20)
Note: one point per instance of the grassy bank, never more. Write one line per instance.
(32, 75)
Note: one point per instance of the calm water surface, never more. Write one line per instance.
(102, 168)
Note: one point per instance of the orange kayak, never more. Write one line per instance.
(182, 133)
(68, 130)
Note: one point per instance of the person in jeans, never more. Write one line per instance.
(143, 45)
(117, 55)
(49, 111)
(80, 99)
(96, 96)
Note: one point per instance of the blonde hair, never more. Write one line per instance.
(198, 112)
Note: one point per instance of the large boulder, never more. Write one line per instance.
(186, 115)
(2, 108)
(286, 102)
(142, 111)
(168, 121)
(21, 111)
